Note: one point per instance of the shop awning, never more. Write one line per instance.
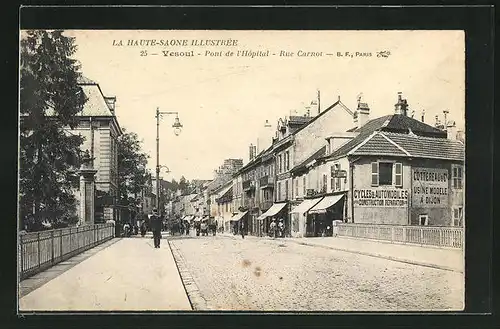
(306, 205)
(327, 202)
(238, 216)
(276, 208)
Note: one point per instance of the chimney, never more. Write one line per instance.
(363, 114)
(423, 115)
(355, 118)
(251, 152)
(401, 106)
(110, 101)
(451, 130)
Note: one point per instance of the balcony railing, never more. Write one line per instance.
(249, 203)
(451, 237)
(41, 250)
(248, 185)
(266, 181)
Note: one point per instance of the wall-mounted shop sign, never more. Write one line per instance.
(339, 173)
(430, 187)
(381, 198)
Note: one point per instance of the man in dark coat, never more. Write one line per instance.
(156, 228)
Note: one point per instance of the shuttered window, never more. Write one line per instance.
(398, 174)
(374, 173)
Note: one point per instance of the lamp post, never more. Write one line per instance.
(177, 130)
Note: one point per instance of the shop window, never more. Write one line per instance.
(423, 220)
(457, 217)
(457, 177)
(398, 174)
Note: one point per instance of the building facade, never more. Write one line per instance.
(100, 128)
(392, 170)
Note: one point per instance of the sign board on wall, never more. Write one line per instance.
(389, 197)
(430, 187)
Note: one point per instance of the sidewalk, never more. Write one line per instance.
(129, 275)
(440, 258)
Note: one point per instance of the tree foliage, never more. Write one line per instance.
(50, 99)
(133, 174)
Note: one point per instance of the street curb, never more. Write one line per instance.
(193, 293)
(396, 259)
(364, 253)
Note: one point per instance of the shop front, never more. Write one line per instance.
(299, 216)
(277, 212)
(322, 215)
(237, 220)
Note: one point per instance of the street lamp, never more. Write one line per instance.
(177, 130)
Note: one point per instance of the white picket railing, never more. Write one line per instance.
(451, 237)
(41, 250)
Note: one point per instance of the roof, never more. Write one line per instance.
(226, 193)
(429, 147)
(322, 113)
(316, 155)
(295, 119)
(389, 123)
(95, 106)
(83, 80)
(410, 145)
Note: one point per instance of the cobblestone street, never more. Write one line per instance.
(254, 274)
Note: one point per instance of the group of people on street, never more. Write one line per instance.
(277, 230)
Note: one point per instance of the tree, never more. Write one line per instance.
(133, 174)
(50, 99)
(184, 185)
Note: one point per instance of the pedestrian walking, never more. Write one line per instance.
(242, 229)
(156, 227)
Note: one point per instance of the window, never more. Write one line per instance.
(304, 185)
(296, 187)
(287, 161)
(280, 164)
(385, 173)
(337, 181)
(457, 177)
(227, 207)
(423, 220)
(382, 173)
(457, 217)
(325, 183)
(286, 189)
(279, 191)
(398, 174)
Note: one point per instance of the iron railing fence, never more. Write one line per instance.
(41, 250)
(451, 237)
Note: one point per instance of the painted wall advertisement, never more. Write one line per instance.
(430, 188)
(381, 198)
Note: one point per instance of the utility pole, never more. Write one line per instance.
(319, 104)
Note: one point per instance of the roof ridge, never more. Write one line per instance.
(394, 143)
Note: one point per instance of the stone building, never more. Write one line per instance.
(100, 128)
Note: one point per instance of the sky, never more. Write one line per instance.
(224, 101)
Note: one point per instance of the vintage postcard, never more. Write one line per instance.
(224, 170)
